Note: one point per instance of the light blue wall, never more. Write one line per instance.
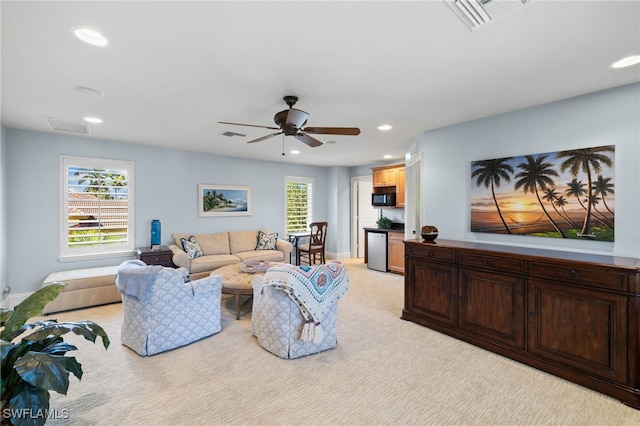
(3, 211)
(596, 119)
(167, 179)
(166, 182)
(338, 233)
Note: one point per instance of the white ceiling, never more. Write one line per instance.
(174, 69)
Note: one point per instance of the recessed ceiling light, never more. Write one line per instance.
(90, 36)
(626, 62)
(88, 91)
(294, 151)
(93, 120)
(388, 156)
(385, 127)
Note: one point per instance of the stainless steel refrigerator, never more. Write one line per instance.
(377, 251)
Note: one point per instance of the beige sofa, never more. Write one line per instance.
(225, 248)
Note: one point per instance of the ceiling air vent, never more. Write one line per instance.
(232, 134)
(68, 126)
(477, 13)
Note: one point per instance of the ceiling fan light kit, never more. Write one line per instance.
(290, 122)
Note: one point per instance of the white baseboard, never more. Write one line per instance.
(338, 256)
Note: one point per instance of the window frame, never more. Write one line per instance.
(127, 248)
(310, 209)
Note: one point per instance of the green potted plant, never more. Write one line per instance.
(384, 222)
(35, 363)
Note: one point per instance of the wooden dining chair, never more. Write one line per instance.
(316, 245)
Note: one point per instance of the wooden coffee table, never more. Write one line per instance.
(238, 283)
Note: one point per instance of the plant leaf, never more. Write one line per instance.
(4, 315)
(87, 329)
(99, 331)
(44, 371)
(30, 307)
(59, 348)
(32, 399)
(73, 366)
(29, 326)
(5, 347)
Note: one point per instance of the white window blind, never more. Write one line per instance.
(97, 207)
(299, 204)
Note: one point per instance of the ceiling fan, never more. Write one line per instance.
(290, 122)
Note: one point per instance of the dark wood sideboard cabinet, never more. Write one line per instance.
(573, 315)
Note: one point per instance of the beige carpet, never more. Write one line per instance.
(385, 371)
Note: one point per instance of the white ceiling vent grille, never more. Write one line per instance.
(477, 13)
(68, 126)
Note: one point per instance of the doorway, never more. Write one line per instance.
(413, 202)
(363, 215)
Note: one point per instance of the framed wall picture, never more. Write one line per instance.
(563, 194)
(223, 200)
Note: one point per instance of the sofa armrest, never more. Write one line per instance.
(180, 258)
(285, 247)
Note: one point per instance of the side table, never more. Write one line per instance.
(161, 255)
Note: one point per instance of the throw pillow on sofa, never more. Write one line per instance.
(267, 241)
(191, 247)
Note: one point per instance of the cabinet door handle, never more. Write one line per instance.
(430, 253)
(573, 274)
(530, 315)
(489, 262)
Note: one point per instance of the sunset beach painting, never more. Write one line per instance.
(563, 194)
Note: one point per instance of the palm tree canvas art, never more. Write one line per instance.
(563, 194)
(218, 200)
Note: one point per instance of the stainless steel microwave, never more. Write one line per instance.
(383, 199)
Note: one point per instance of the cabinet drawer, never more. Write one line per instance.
(578, 274)
(429, 251)
(164, 259)
(399, 236)
(496, 263)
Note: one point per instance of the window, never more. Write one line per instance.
(97, 208)
(299, 204)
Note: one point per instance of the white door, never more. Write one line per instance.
(363, 214)
(367, 215)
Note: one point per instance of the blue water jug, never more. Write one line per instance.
(155, 232)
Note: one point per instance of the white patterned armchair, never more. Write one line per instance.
(295, 308)
(161, 311)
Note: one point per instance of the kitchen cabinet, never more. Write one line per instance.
(574, 315)
(390, 179)
(400, 188)
(383, 177)
(395, 257)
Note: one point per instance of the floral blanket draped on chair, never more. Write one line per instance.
(314, 289)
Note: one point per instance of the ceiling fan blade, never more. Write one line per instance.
(350, 131)
(249, 125)
(312, 142)
(296, 117)
(265, 137)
